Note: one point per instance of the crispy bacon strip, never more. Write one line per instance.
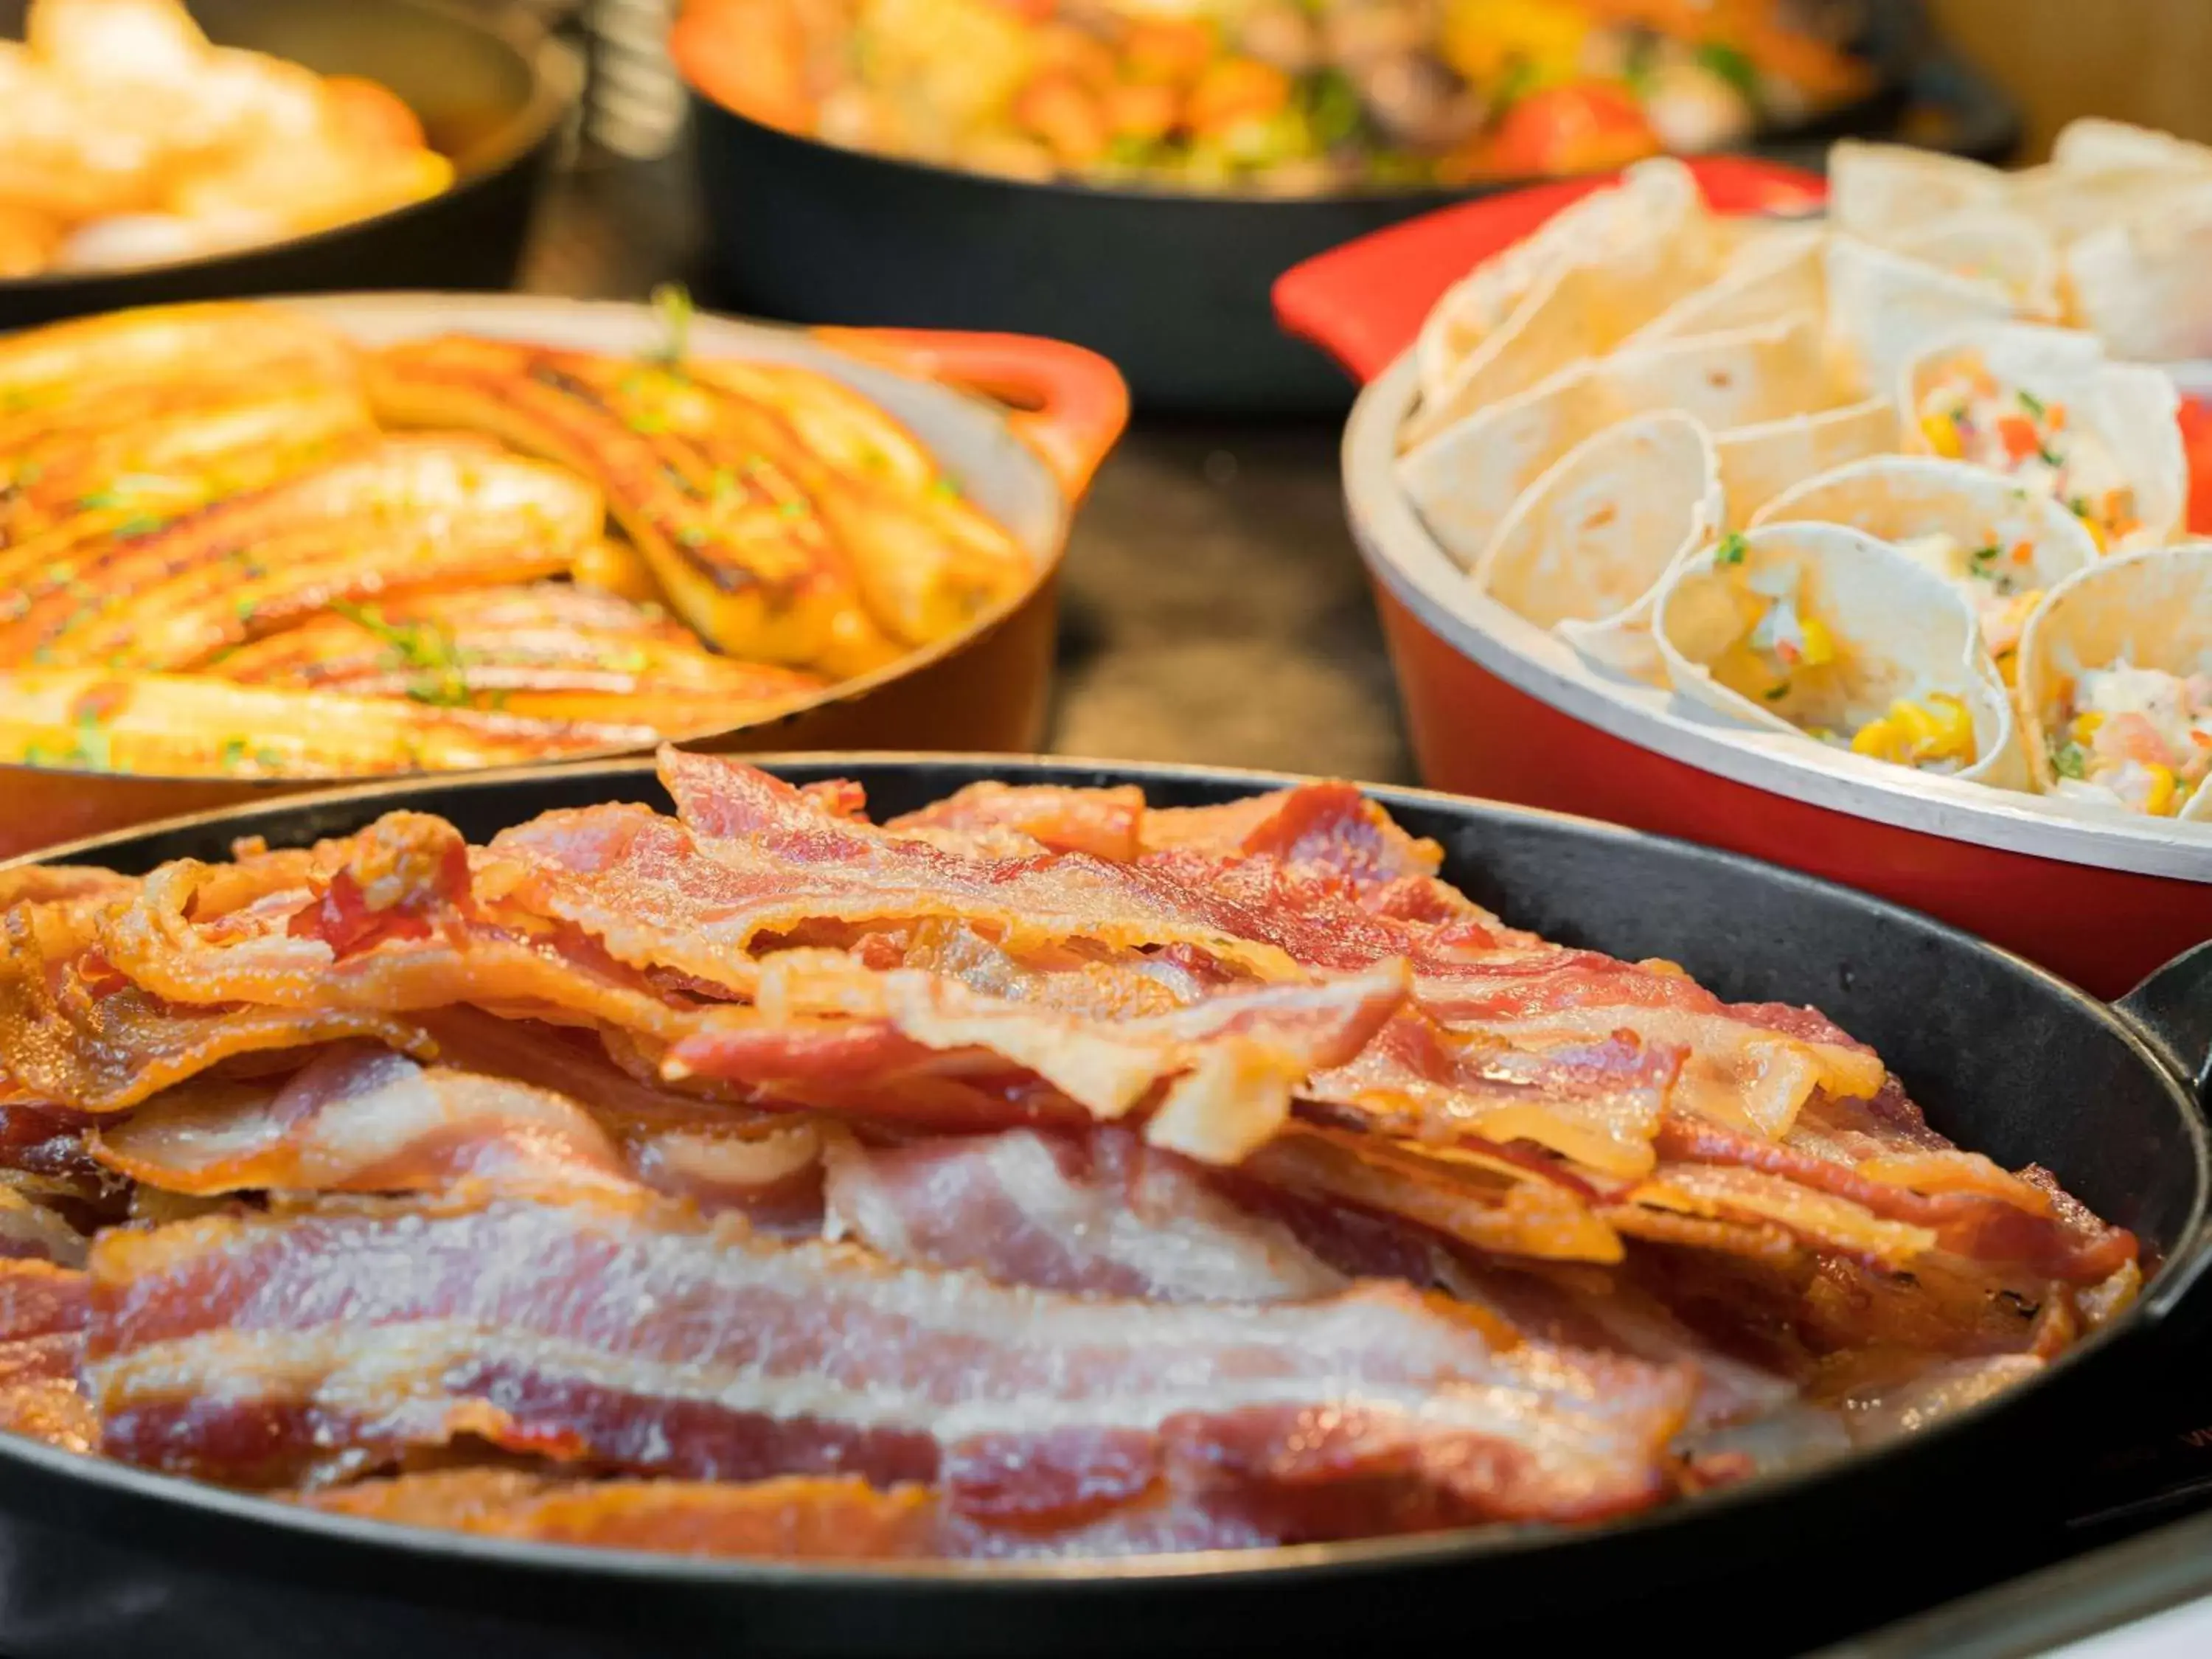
(1102, 823)
(1598, 1103)
(258, 1349)
(76, 1035)
(1230, 1062)
(380, 923)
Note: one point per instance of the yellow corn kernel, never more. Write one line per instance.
(2096, 532)
(1819, 643)
(1942, 434)
(2085, 727)
(1881, 739)
(1952, 736)
(2159, 801)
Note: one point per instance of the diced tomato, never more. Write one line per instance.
(2196, 440)
(1233, 90)
(1586, 126)
(1067, 115)
(2018, 435)
(1168, 49)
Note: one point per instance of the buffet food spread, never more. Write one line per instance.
(237, 543)
(1047, 1174)
(1901, 482)
(1038, 1173)
(1276, 97)
(127, 139)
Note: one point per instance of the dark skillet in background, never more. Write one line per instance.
(492, 94)
(1171, 285)
(98, 1559)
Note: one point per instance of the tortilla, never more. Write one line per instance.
(1759, 462)
(1585, 548)
(2121, 420)
(1777, 275)
(1885, 308)
(2007, 546)
(1465, 479)
(1585, 282)
(1897, 635)
(2150, 610)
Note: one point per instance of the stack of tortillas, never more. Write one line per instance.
(1912, 421)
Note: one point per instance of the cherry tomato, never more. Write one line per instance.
(1586, 126)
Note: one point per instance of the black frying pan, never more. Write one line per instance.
(1172, 286)
(491, 96)
(98, 1559)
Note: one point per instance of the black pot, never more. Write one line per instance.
(1173, 287)
(102, 1559)
(492, 97)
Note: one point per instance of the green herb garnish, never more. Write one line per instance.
(1731, 65)
(2031, 402)
(232, 752)
(138, 524)
(2070, 760)
(672, 304)
(1776, 693)
(1730, 549)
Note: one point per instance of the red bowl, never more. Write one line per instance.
(1496, 708)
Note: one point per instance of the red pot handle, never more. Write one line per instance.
(1067, 404)
(1363, 303)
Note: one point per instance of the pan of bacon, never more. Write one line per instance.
(248, 546)
(958, 1171)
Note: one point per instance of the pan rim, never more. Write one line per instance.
(556, 87)
(397, 1544)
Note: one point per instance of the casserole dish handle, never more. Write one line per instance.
(2171, 1010)
(1363, 302)
(1068, 404)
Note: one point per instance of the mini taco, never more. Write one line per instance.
(1465, 479)
(1583, 550)
(1996, 245)
(1885, 309)
(1822, 630)
(1586, 280)
(2140, 282)
(2045, 408)
(1878, 192)
(2002, 547)
(2116, 684)
(1759, 462)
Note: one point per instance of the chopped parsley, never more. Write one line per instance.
(1730, 549)
(2031, 402)
(444, 677)
(274, 759)
(1982, 562)
(138, 524)
(2049, 457)
(232, 752)
(2070, 760)
(2078, 506)
(244, 609)
(1776, 693)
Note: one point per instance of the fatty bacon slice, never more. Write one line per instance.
(1100, 1215)
(259, 1350)
(1229, 1063)
(357, 1119)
